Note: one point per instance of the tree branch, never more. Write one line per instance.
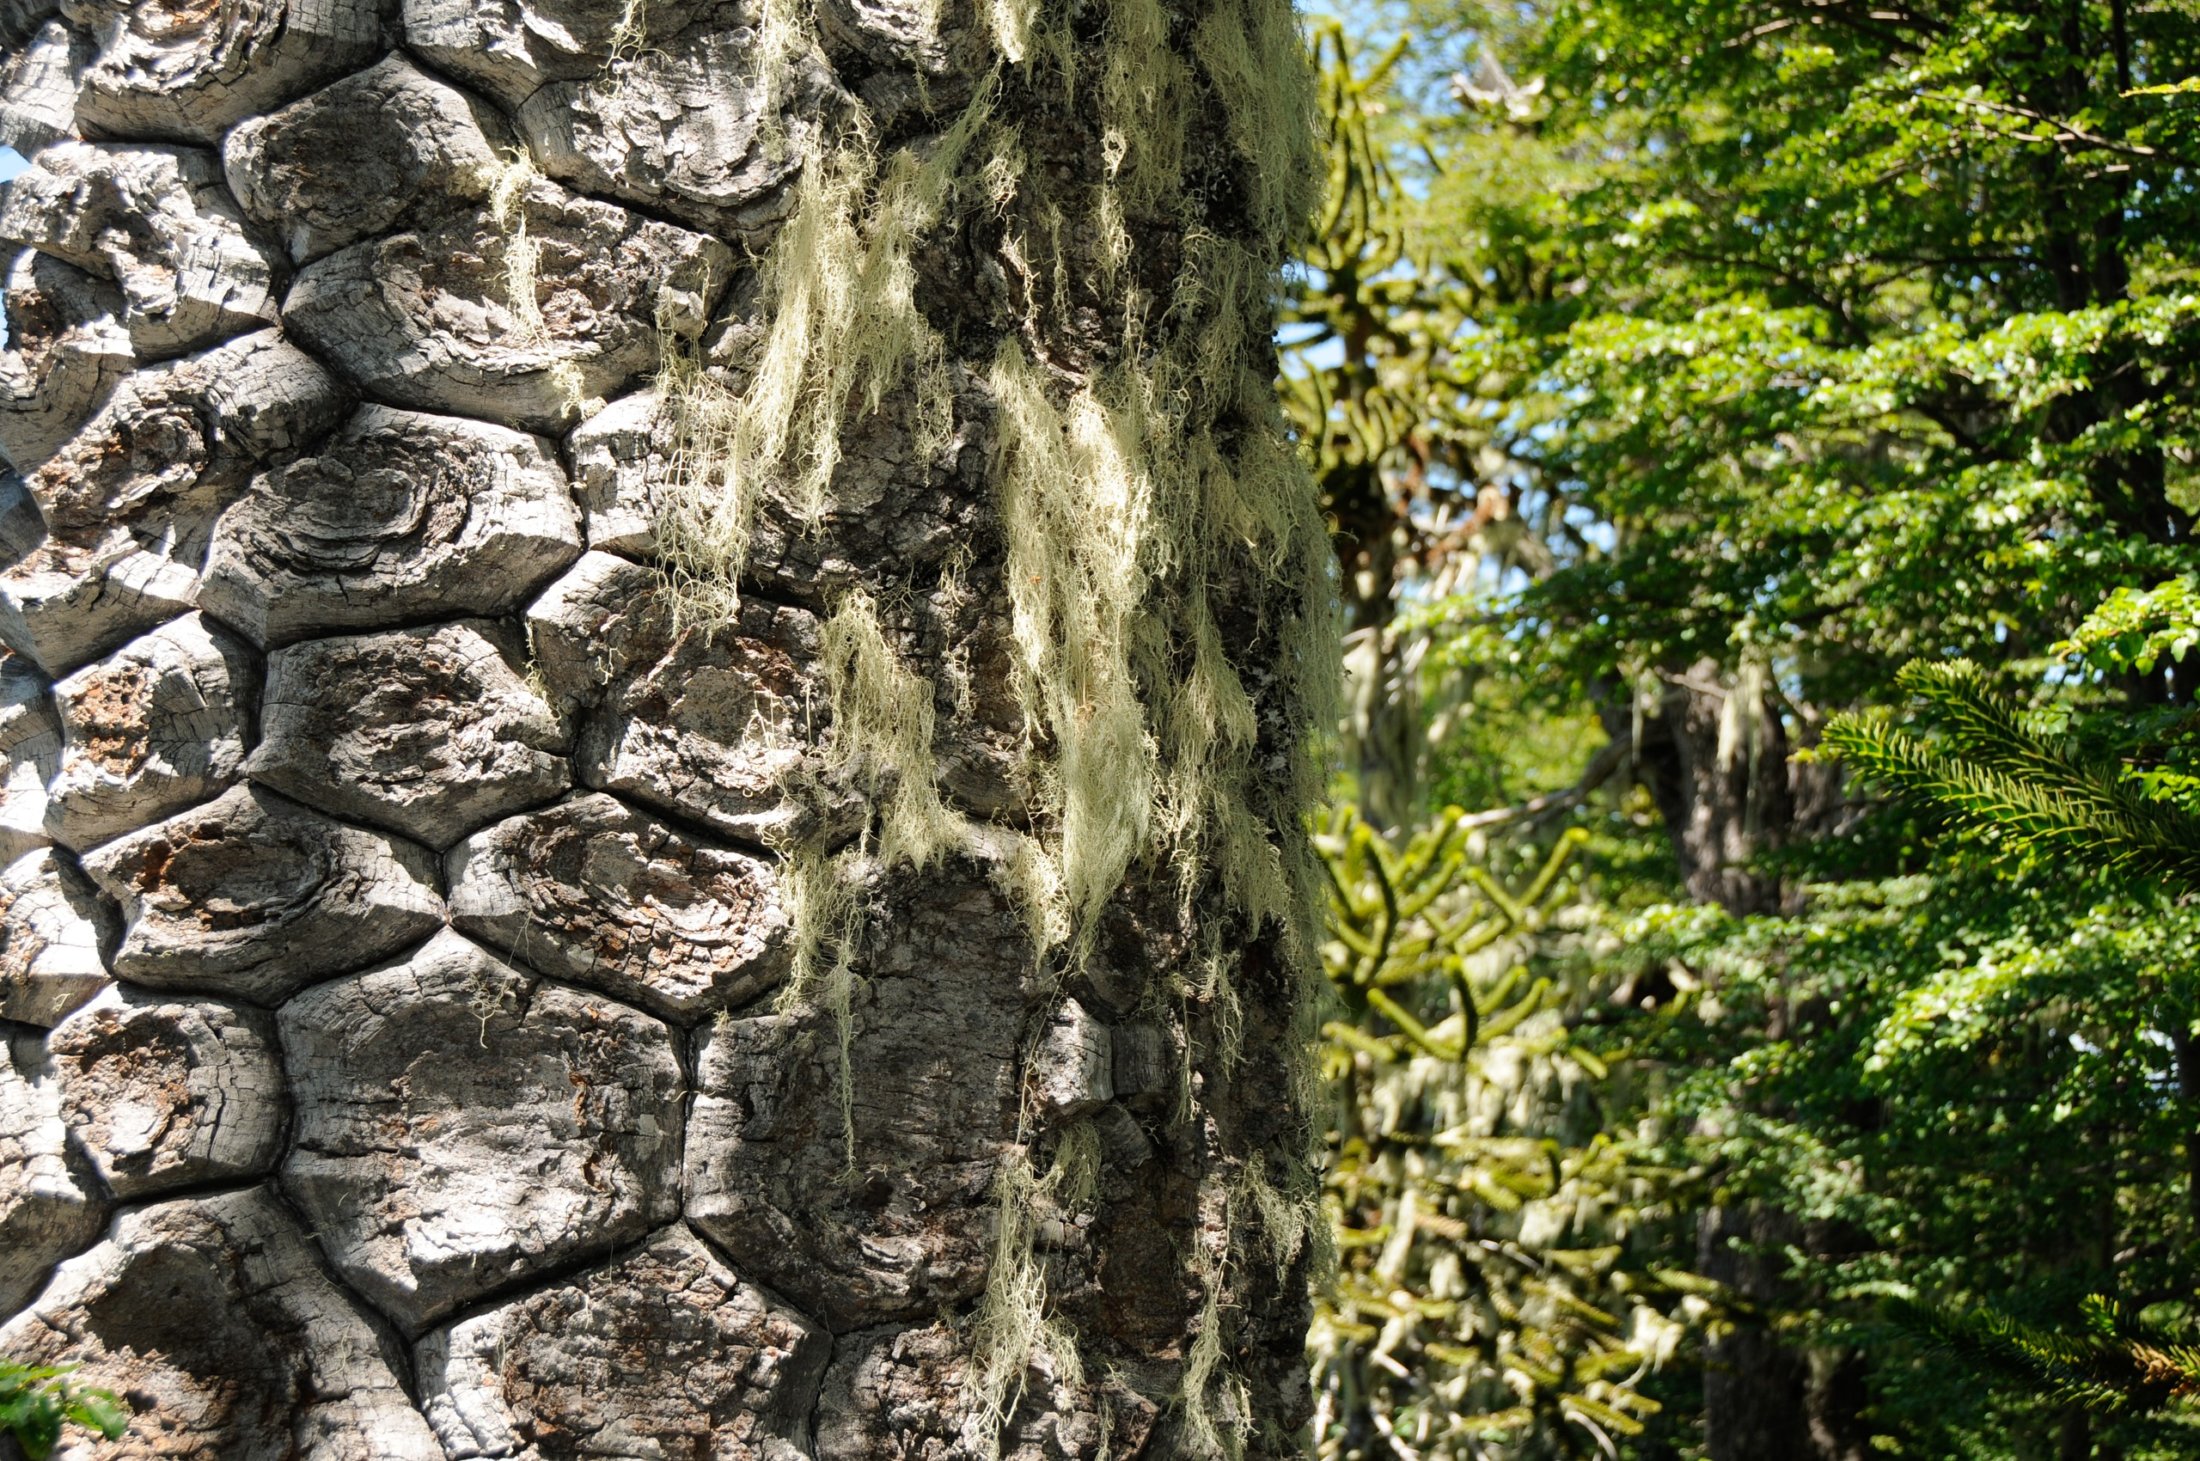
(2067, 131)
(1536, 809)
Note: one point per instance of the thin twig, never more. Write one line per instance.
(2075, 134)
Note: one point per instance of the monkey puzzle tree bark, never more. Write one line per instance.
(659, 664)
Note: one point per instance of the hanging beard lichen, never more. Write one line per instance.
(1012, 1325)
(844, 331)
(1128, 489)
(882, 743)
(508, 182)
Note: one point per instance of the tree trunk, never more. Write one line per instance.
(1381, 726)
(660, 660)
(1717, 758)
(1715, 754)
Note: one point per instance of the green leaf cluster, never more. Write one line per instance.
(2138, 630)
(37, 1401)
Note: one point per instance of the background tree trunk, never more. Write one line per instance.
(1382, 724)
(471, 992)
(1716, 756)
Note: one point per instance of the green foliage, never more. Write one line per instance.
(1391, 391)
(2036, 794)
(1485, 1293)
(1824, 339)
(37, 1401)
(1362, 294)
(1847, 355)
(1881, 352)
(1984, 1049)
(2114, 1361)
(2137, 630)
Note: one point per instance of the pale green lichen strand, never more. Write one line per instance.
(882, 736)
(823, 898)
(844, 331)
(1012, 1326)
(508, 185)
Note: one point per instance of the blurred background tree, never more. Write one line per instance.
(1491, 1287)
(1676, 372)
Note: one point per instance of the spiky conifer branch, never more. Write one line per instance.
(1990, 771)
(2038, 795)
(2115, 1363)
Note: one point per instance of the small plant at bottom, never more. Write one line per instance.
(36, 1401)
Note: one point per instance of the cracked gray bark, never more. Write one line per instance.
(214, 1317)
(164, 1093)
(159, 724)
(400, 517)
(682, 125)
(887, 512)
(30, 740)
(709, 725)
(53, 932)
(254, 896)
(159, 224)
(129, 497)
(357, 159)
(734, 1372)
(428, 732)
(767, 1172)
(400, 887)
(50, 1203)
(598, 893)
(425, 318)
(460, 1125)
(66, 352)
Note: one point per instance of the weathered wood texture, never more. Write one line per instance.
(608, 897)
(254, 896)
(434, 1151)
(733, 1373)
(395, 882)
(51, 1205)
(216, 1317)
(164, 1093)
(428, 732)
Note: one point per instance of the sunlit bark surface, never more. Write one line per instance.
(398, 901)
